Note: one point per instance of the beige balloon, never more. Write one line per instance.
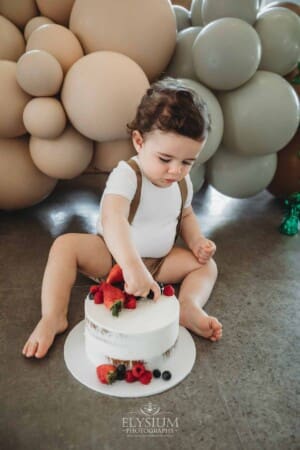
(196, 14)
(21, 183)
(12, 102)
(226, 64)
(240, 176)
(100, 94)
(143, 30)
(181, 64)
(39, 73)
(57, 40)
(197, 175)
(64, 157)
(44, 117)
(279, 32)
(57, 10)
(12, 43)
(261, 116)
(19, 11)
(183, 19)
(35, 23)
(216, 116)
(246, 10)
(109, 154)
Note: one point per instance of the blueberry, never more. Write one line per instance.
(156, 373)
(166, 375)
(91, 296)
(150, 295)
(121, 370)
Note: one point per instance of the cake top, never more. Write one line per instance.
(148, 316)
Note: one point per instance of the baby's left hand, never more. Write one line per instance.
(204, 249)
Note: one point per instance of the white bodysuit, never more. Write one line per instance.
(154, 225)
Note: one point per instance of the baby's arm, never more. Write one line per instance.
(116, 233)
(202, 248)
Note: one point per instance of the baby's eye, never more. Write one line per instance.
(164, 160)
(187, 163)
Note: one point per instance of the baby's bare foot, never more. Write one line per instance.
(43, 336)
(196, 320)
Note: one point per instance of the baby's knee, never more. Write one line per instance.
(62, 244)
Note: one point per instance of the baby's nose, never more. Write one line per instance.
(175, 168)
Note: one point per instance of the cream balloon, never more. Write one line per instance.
(64, 157)
(44, 117)
(246, 10)
(197, 175)
(21, 183)
(226, 64)
(181, 64)
(100, 94)
(12, 102)
(12, 43)
(108, 154)
(196, 14)
(261, 116)
(183, 19)
(57, 10)
(19, 12)
(279, 32)
(39, 73)
(57, 40)
(240, 176)
(143, 30)
(35, 23)
(216, 116)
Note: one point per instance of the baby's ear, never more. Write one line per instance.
(137, 140)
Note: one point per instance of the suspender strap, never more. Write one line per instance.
(136, 199)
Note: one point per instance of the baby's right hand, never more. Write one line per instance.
(139, 282)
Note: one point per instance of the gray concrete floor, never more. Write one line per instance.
(242, 392)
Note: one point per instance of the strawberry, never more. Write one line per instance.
(168, 290)
(113, 298)
(130, 301)
(107, 373)
(98, 297)
(129, 377)
(146, 377)
(115, 275)
(138, 369)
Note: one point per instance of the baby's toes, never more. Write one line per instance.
(42, 348)
(31, 349)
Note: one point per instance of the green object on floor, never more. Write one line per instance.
(290, 222)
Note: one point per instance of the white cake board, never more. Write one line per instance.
(180, 363)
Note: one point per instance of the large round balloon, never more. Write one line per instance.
(57, 40)
(245, 10)
(21, 183)
(44, 117)
(240, 176)
(64, 157)
(39, 73)
(226, 63)
(141, 29)
(292, 5)
(279, 32)
(35, 23)
(183, 19)
(12, 43)
(197, 174)
(216, 116)
(12, 101)
(108, 154)
(261, 116)
(196, 13)
(57, 10)
(19, 12)
(286, 180)
(101, 92)
(181, 64)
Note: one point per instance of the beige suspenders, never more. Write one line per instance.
(136, 199)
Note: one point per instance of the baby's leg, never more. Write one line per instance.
(69, 253)
(197, 282)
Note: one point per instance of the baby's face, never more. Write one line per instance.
(166, 157)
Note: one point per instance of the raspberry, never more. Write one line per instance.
(129, 377)
(138, 369)
(130, 301)
(146, 377)
(94, 288)
(168, 290)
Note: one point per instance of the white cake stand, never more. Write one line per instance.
(180, 363)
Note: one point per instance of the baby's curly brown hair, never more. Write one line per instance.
(170, 106)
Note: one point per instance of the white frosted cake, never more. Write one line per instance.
(145, 333)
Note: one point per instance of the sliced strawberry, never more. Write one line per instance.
(146, 377)
(107, 373)
(98, 297)
(113, 298)
(115, 275)
(168, 290)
